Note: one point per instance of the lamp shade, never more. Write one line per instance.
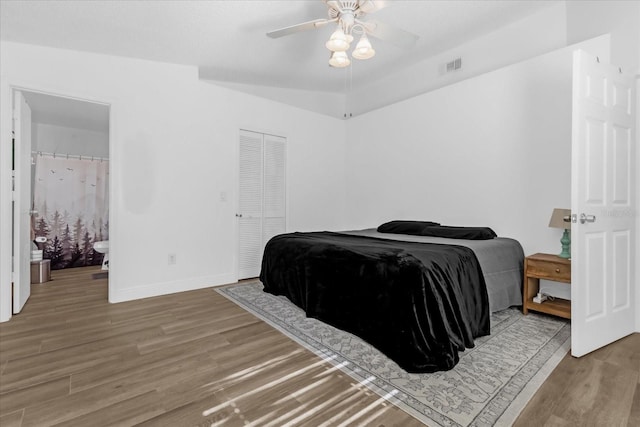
(338, 41)
(560, 218)
(363, 49)
(339, 60)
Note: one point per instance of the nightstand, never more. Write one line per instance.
(548, 267)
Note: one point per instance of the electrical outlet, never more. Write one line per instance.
(172, 259)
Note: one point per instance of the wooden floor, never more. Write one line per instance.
(196, 358)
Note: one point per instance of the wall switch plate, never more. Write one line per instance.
(172, 259)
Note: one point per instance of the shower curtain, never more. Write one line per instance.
(71, 196)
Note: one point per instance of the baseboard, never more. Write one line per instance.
(166, 288)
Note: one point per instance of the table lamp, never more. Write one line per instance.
(561, 218)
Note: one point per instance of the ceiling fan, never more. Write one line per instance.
(348, 14)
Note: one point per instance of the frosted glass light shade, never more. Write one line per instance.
(338, 41)
(363, 49)
(339, 60)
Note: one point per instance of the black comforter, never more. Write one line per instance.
(418, 303)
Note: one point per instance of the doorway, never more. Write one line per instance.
(61, 165)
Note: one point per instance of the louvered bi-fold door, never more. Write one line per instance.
(274, 188)
(261, 197)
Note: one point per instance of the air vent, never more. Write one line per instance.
(454, 65)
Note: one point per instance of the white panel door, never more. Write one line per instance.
(22, 203)
(250, 204)
(603, 205)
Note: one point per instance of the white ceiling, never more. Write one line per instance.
(227, 40)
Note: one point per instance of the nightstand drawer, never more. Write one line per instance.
(549, 270)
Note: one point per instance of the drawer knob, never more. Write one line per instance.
(557, 270)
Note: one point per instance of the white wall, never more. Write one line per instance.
(173, 151)
(492, 151)
(65, 140)
(620, 19)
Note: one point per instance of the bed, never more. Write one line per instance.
(418, 299)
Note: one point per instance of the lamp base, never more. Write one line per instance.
(566, 245)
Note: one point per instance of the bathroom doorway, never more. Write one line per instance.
(68, 186)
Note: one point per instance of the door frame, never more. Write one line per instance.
(22, 206)
(637, 80)
(6, 223)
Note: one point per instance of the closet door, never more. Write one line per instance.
(262, 205)
(250, 205)
(274, 188)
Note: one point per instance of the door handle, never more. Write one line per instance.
(33, 212)
(587, 218)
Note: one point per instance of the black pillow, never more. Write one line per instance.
(469, 233)
(405, 227)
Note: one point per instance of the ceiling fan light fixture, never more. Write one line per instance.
(338, 42)
(339, 60)
(363, 49)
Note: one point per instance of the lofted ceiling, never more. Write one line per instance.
(227, 40)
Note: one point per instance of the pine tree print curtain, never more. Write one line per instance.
(72, 200)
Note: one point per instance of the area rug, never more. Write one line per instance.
(489, 386)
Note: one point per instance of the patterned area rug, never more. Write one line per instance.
(489, 386)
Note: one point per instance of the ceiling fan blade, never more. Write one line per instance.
(370, 6)
(305, 26)
(396, 36)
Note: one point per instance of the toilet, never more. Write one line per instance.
(103, 248)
